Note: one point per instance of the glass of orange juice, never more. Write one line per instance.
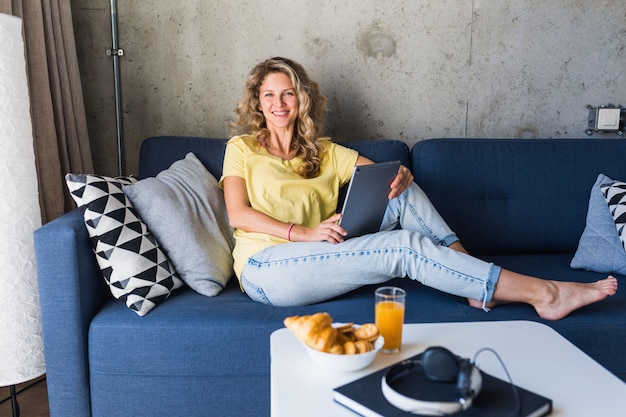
(389, 313)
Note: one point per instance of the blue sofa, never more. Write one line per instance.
(519, 203)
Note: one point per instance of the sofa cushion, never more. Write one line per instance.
(596, 329)
(615, 195)
(181, 325)
(132, 263)
(599, 248)
(184, 208)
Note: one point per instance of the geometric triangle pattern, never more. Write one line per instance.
(132, 263)
(615, 195)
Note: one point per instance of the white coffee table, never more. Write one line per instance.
(537, 357)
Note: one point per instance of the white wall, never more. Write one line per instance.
(399, 69)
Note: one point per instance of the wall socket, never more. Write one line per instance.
(607, 118)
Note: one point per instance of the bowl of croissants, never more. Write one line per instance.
(340, 347)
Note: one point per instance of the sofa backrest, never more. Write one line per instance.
(515, 196)
(159, 152)
(500, 196)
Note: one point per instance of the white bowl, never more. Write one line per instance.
(342, 362)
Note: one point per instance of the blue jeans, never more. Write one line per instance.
(413, 242)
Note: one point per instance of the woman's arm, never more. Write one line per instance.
(363, 161)
(243, 217)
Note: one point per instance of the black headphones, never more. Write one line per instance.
(437, 382)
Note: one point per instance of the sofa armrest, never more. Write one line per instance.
(72, 291)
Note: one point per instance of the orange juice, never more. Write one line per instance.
(389, 319)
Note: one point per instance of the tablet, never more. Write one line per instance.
(366, 199)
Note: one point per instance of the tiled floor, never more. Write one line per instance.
(33, 401)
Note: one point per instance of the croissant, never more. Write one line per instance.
(314, 330)
(317, 332)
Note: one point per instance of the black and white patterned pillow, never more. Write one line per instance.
(615, 195)
(132, 263)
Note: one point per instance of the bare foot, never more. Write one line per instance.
(566, 297)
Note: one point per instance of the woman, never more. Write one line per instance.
(281, 182)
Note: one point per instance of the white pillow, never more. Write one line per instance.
(615, 195)
(184, 208)
(132, 263)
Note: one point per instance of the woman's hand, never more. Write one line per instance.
(401, 182)
(326, 231)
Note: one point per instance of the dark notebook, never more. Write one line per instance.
(496, 399)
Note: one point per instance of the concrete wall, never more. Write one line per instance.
(402, 69)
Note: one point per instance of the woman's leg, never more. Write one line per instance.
(413, 211)
(305, 273)
(552, 300)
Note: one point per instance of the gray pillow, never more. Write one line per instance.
(184, 208)
(599, 248)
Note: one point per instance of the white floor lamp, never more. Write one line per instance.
(21, 342)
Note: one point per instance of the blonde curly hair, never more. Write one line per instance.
(310, 122)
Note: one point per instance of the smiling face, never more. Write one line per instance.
(278, 101)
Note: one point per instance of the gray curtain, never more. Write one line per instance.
(61, 140)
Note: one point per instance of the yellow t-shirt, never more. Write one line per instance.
(274, 188)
